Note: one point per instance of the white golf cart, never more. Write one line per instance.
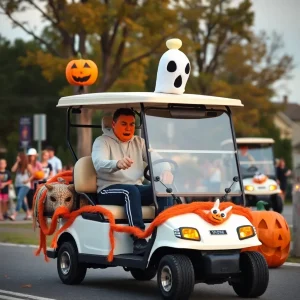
(257, 164)
(186, 131)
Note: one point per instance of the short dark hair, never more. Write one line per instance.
(122, 111)
(50, 148)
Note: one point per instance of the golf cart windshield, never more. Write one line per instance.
(256, 158)
(190, 140)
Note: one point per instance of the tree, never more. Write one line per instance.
(123, 33)
(251, 71)
(24, 91)
(212, 27)
(229, 60)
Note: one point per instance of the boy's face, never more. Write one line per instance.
(50, 153)
(244, 150)
(3, 164)
(124, 128)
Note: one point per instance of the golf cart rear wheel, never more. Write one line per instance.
(175, 277)
(277, 203)
(69, 270)
(143, 275)
(254, 278)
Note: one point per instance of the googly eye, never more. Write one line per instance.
(215, 211)
(223, 215)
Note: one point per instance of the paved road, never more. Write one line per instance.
(288, 213)
(21, 272)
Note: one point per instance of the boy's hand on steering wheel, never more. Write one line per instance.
(124, 163)
(167, 177)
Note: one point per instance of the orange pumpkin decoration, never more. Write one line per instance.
(81, 72)
(274, 234)
(38, 175)
(261, 178)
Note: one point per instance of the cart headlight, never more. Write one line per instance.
(187, 233)
(245, 232)
(249, 188)
(273, 187)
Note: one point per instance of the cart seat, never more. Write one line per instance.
(85, 182)
(106, 124)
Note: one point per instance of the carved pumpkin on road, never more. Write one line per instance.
(81, 72)
(274, 234)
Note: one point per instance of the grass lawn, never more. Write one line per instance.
(20, 234)
(294, 259)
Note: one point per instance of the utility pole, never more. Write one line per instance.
(296, 220)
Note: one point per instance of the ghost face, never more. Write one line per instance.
(173, 72)
(124, 128)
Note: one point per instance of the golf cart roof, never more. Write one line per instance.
(253, 140)
(133, 100)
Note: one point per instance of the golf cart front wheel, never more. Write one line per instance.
(143, 275)
(277, 203)
(176, 277)
(254, 278)
(69, 270)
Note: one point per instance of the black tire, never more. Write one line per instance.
(254, 278)
(143, 275)
(69, 270)
(179, 270)
(277, 203)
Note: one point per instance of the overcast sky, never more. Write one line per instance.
(282, 16)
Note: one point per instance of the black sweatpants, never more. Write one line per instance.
(133, 197)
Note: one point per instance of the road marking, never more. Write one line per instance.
(10, 298)
(19, 245)
(25, 296)
(22, 245)
(290, 264)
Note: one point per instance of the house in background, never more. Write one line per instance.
(288, 123)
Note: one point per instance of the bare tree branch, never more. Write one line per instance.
(147, 53)
(42, 12)
(55, 10)
(30, 32)
(120, 51)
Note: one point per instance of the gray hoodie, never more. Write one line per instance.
(108, 149)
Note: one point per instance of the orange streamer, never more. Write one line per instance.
(198, 208)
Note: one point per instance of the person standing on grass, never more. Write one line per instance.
(282, 173)
(35, 167)
(5, 181)
(47, 167)
(22, 185)
(54, 160)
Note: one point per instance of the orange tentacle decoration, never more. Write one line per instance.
(199, 208)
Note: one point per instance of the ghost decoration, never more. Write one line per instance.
(173, 70)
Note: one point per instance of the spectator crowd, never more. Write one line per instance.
(19, 181)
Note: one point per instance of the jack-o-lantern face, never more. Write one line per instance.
(217, 216)
(124, 128)
(81, 72)
(274, 234)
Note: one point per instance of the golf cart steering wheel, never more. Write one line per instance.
(148, 177)
(252, 169)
